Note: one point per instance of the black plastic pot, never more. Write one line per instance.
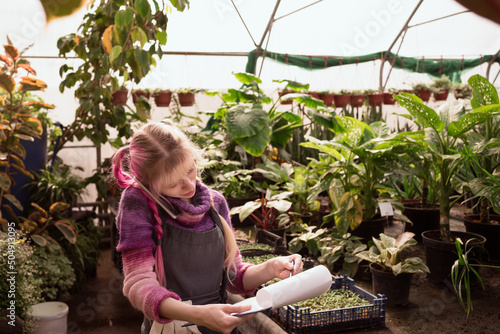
(423, 219)
(370, 228)
(395, 288)
(440, 255)
(489, 231)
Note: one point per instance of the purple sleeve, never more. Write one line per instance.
(134, 221)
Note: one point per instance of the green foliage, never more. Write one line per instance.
(354, 170)
(84, 254)
(444, 132)
(387, 251)
(119, 41)
(56, 184)
(27, 280)
(41, 225)
(440, 84)
(341, 248)
(55, 272)
(464, 269)
(244, 118)
(18, 121)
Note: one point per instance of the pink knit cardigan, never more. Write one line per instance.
(135, 224)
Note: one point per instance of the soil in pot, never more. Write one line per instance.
(395, 288)
(490, 231)
(440, 255)
(423, 219)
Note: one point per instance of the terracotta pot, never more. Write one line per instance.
(375, 99)
(357, 100)
(119, 98)
(440, 255)
(395, 288)
(313, 94)
(186, 99)
(280, 94)
(326, 98)
(389, 99)
(341, 100)
(138, 93)
(424, 94)
(442, 95)
(163, 98)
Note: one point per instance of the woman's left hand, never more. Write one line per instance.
(286, 266)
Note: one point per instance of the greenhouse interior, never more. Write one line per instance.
(328, 166)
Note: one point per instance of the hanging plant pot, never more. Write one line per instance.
(163, 98)
(119, 98)
(440, 255)
(341, 100)
(489, 230)
(313, 94)
(395, 288)
(186, 99)
(442, 95)
(424, 94)
(357, 100)
(283, 93)
(375, 99)
(389, 99)
(326, 98)
(138, 93)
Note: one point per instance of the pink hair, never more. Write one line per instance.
(154, 156)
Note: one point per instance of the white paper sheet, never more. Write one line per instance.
(306, 285)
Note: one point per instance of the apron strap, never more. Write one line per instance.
(217, 219)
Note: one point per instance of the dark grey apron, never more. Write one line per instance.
(193, 265)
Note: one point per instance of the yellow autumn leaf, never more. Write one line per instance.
(107, 38)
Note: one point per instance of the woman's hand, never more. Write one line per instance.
(218, 316)
(285, 266)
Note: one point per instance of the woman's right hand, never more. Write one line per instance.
(218, 316)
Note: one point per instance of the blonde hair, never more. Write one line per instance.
(157, 154)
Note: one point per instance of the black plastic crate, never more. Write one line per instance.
(302, 320)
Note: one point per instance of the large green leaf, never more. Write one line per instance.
(256, 144)
(243, 123)
(470, 120)
(483, 92)
(247, 78)
(424, 115)
(67, 229)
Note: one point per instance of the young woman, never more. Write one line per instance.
(179, 253)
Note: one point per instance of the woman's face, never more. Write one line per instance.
(183, 185)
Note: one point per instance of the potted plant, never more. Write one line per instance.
(268, 212)
(481, 170)
(462, 91)
(299, 184)
(326, 97)
(391, 270)
(120, 96)
(341, 99)
(388, 96)
(423, 91)
(357, 99)
(352, 174)
(20, 124)
(338, 252)
(441, 87)
(138, 93)
(443, 133)
(186, 96)
(375, 98)
(162, 97)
